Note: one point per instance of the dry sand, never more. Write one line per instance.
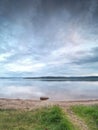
(31, 104)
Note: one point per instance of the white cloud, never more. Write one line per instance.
(25, 65)
(4, 56)
(65, 54)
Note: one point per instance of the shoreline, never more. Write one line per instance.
(29, 104)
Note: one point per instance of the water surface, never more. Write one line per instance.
(55, 90)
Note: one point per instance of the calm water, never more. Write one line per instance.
(33, 89)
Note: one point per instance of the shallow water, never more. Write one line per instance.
(55, 90)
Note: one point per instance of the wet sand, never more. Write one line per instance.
(32, 104)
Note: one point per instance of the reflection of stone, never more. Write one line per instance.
(44, 98)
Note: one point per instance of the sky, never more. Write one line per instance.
(48, 38)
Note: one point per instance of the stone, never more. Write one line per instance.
(44, 98)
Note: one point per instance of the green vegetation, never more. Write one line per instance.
(51, 118)
(89, 114)
(48, 118)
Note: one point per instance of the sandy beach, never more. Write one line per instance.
(32, 104)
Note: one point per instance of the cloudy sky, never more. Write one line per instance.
(48, 37)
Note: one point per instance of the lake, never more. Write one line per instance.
(55, 90)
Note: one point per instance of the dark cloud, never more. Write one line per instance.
(45, 9)
(90, 58)
(42, 16)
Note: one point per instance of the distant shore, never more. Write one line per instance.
(32, 104)
(57, 78)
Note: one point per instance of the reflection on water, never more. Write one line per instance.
(30, 89)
